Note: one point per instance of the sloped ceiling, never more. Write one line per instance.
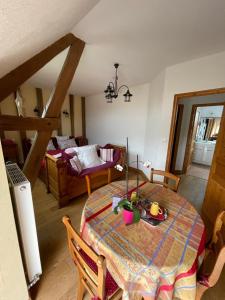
(27, 26)
(144, 36)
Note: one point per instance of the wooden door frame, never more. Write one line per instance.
(177, 97)
(176, 141)
(190, 130)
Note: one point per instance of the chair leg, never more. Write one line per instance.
(80, 293)
(88, 183)
(200, 291)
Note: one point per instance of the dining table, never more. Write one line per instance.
(153, 262)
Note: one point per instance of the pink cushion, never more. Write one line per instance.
(76, 164)
(106, 154)
(110, 284)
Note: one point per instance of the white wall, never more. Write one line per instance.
(146, 120)
(199, 74)
(188, 102)
(153, 138)
(12, 279)
(113, 122)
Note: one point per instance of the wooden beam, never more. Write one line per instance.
(14, 123)
(2, 133)
(11, 81)
(71, 97)
(60, 125)
(37, 152)
(40, 102)
(22, 133)
(83, 117)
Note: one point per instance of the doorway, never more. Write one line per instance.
(201, 141)
(193, 139)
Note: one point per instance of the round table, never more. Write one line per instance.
(154, 262)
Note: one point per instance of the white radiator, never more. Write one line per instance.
(25, 220)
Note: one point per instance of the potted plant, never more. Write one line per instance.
(130, 213)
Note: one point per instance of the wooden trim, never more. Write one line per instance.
(60, 125)
(36, 154)
(40, 102)
(14, 123)
(178, 172)
(177, 136)
(71, 99)
(11, 81)
(177, 97)
(83, 117)
(22, 133)
(189, 139)
(2, 133)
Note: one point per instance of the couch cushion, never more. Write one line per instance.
(63, 144)
(76, 164)
(89, 158)
(106, 154)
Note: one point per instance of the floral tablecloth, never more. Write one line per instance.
(154, 262)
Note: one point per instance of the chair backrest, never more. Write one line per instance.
(168, 176)
(214, 259)
(94, 281)
(217, 246)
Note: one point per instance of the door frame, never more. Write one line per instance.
(177, 97)
(190, 131)
(177, 139)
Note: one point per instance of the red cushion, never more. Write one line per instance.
(110, 284)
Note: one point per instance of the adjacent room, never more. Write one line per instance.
(112, 153)
(196, 131)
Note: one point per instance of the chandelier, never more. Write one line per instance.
(112, 89)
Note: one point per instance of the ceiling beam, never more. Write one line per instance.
(14, 123)
(11, 81)
(37, 152)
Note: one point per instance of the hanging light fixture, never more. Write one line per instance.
(112, 89)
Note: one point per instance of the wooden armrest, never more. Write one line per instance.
(48, 156)
(59, 162)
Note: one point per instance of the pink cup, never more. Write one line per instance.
(128, 216)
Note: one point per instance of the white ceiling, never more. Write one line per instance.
(144, 36)
(28, 26)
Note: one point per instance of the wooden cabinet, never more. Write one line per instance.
(203, 153)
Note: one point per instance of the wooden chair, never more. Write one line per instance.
(167, 176)
(93, 275)
(214, 259)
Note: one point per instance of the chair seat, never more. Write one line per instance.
(110, 284)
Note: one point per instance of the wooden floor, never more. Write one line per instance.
(59, 279)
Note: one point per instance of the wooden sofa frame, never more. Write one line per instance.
(65, 187)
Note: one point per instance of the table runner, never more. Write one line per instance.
(153, 262)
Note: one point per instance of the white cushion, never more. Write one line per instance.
(67, 143)
(50, 145)
(62, 137)
(89, 157)
(79, 150)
